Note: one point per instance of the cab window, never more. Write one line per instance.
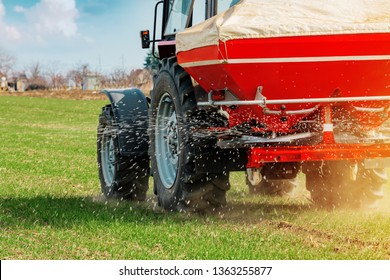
(179, 16)
(223, 5)
(199, 12)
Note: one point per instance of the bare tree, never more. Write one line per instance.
(36, 77)
(55, 77)
(57, 80)
(141, 78)
(119, 78)
(7, 61)
(34, 71)
(78, 74)
(105, 81)
(122, 78)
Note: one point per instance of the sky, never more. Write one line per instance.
(68, 33)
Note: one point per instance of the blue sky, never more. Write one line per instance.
(66, 33)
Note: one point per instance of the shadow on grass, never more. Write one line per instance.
(70, 211)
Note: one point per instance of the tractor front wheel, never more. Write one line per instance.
(123, 177)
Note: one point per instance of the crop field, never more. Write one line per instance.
(51, 206)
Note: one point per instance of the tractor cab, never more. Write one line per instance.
(186, 13)
(177, 15)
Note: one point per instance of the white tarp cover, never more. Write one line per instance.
(281, 18)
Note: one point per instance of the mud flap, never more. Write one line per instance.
(130, 109)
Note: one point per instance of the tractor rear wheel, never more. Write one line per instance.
(336, 184)
(176, 183)
(372, 183)
(123, 177)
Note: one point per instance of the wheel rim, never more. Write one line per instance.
(108, 157)
(167, 141)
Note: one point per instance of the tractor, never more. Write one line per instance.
(270, 88)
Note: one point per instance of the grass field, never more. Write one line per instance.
(51, 206)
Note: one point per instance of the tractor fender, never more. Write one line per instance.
(130, 110)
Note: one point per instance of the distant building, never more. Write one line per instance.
(142, 79)
(91, 82)
(16, 84)
(71, 84)
(21, 83)
(3, 84)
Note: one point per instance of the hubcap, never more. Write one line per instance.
(108, 157)
(167, 141)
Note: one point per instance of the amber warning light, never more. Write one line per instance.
(145, 38)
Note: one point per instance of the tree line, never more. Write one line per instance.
(40, 77)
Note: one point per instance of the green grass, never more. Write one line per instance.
(51, 206)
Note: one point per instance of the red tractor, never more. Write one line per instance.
(272, 88)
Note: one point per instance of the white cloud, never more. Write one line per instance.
(19, 9)
(52, 17)
(7, 31)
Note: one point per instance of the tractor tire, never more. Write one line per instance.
(337, 184)
(372, 183)
(173, 117)
(121, 177)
